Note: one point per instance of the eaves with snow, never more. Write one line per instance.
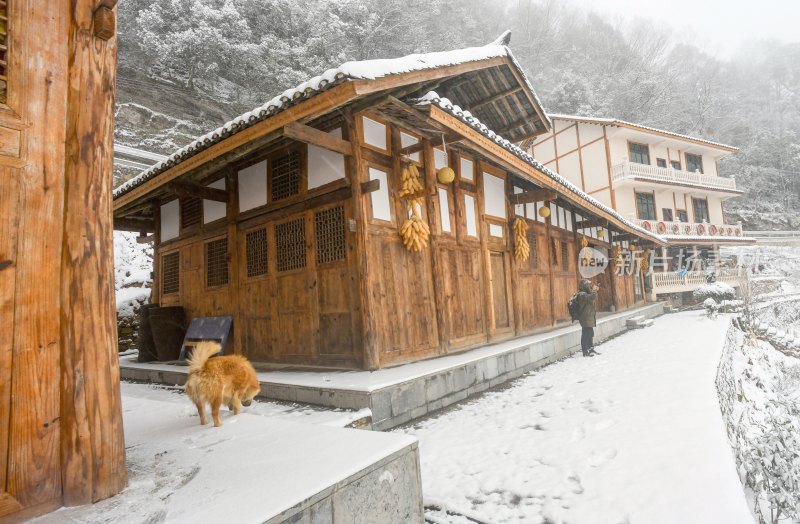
(487, 79)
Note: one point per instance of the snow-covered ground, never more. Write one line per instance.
(256, 465)
(133, 263)
(634, 435)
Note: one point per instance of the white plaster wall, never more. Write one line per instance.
(324, 166)
(626, 205)
(558, 125)
(170, 220)
(595, 172)
(213, 210)
(253, 186)
(570, 168)
(567, 140)
(544, 152)
(589, 132)
(494, 196)
(618, 147)
(603, 196)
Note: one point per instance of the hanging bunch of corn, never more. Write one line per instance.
(644, 264)
(414, 231)
(522, 249)
(616, 255)
(410, 183)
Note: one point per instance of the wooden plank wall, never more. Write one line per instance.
(384, 305)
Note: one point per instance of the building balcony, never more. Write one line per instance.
(630, 172)
(674, 282)
(692, 229)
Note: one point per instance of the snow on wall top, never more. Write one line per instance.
(721, 238)
(618, 122)
(467, 117)
(354, 70)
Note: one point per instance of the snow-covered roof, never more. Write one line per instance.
(707, 238)
(354, 70)
(467, 117)
(622, 123)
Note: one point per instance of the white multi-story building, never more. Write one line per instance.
(667, 182)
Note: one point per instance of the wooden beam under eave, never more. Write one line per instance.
(309, 135)
(183, 188)
(134, 224)
(528, 197)
(508, 160)
(591, 222)
(318, 105)
(145, 239)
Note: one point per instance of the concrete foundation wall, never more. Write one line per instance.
(389, 491)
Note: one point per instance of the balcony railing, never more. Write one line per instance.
(662, 227)
(627, 170)
(673, 282)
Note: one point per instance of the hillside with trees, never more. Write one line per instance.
(185, 66)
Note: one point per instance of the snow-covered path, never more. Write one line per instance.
(632, 436)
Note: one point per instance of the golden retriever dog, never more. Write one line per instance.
(229, 380)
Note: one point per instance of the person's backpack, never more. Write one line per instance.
(574, 307)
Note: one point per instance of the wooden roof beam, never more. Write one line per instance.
(539, 195)
(183, 188)
(309, 135)
(494, 98)
(591, 222)
(134, 224)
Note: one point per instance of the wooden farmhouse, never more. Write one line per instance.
(288, 218)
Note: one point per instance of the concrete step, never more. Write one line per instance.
(645, 323)
(633, 321)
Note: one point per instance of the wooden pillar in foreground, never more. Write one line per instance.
(92, 445)
(61, 436)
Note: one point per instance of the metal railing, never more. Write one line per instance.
(674, 282)
(628, 170)
(664, 227)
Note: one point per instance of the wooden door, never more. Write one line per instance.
(499, 290)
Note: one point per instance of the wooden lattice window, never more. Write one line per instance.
(217, 262)
(290, 244)
(3, 51)
(191, 211)
(286, 175)
(256, 252)
(171, 273)
(533, 259)
(564, 256)
(329, 234)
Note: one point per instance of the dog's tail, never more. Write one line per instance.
(201, 353)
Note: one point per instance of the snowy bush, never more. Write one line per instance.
(757, 388)
(719, 291)
(711, 306)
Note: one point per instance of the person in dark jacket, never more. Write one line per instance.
(587, 294)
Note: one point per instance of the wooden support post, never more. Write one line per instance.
(92, 444)
(437, 273)
(155, 289)
(357, 171)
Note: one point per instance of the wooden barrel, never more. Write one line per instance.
(168, 325)
(144, 339)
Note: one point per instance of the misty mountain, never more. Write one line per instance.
(186, 66)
